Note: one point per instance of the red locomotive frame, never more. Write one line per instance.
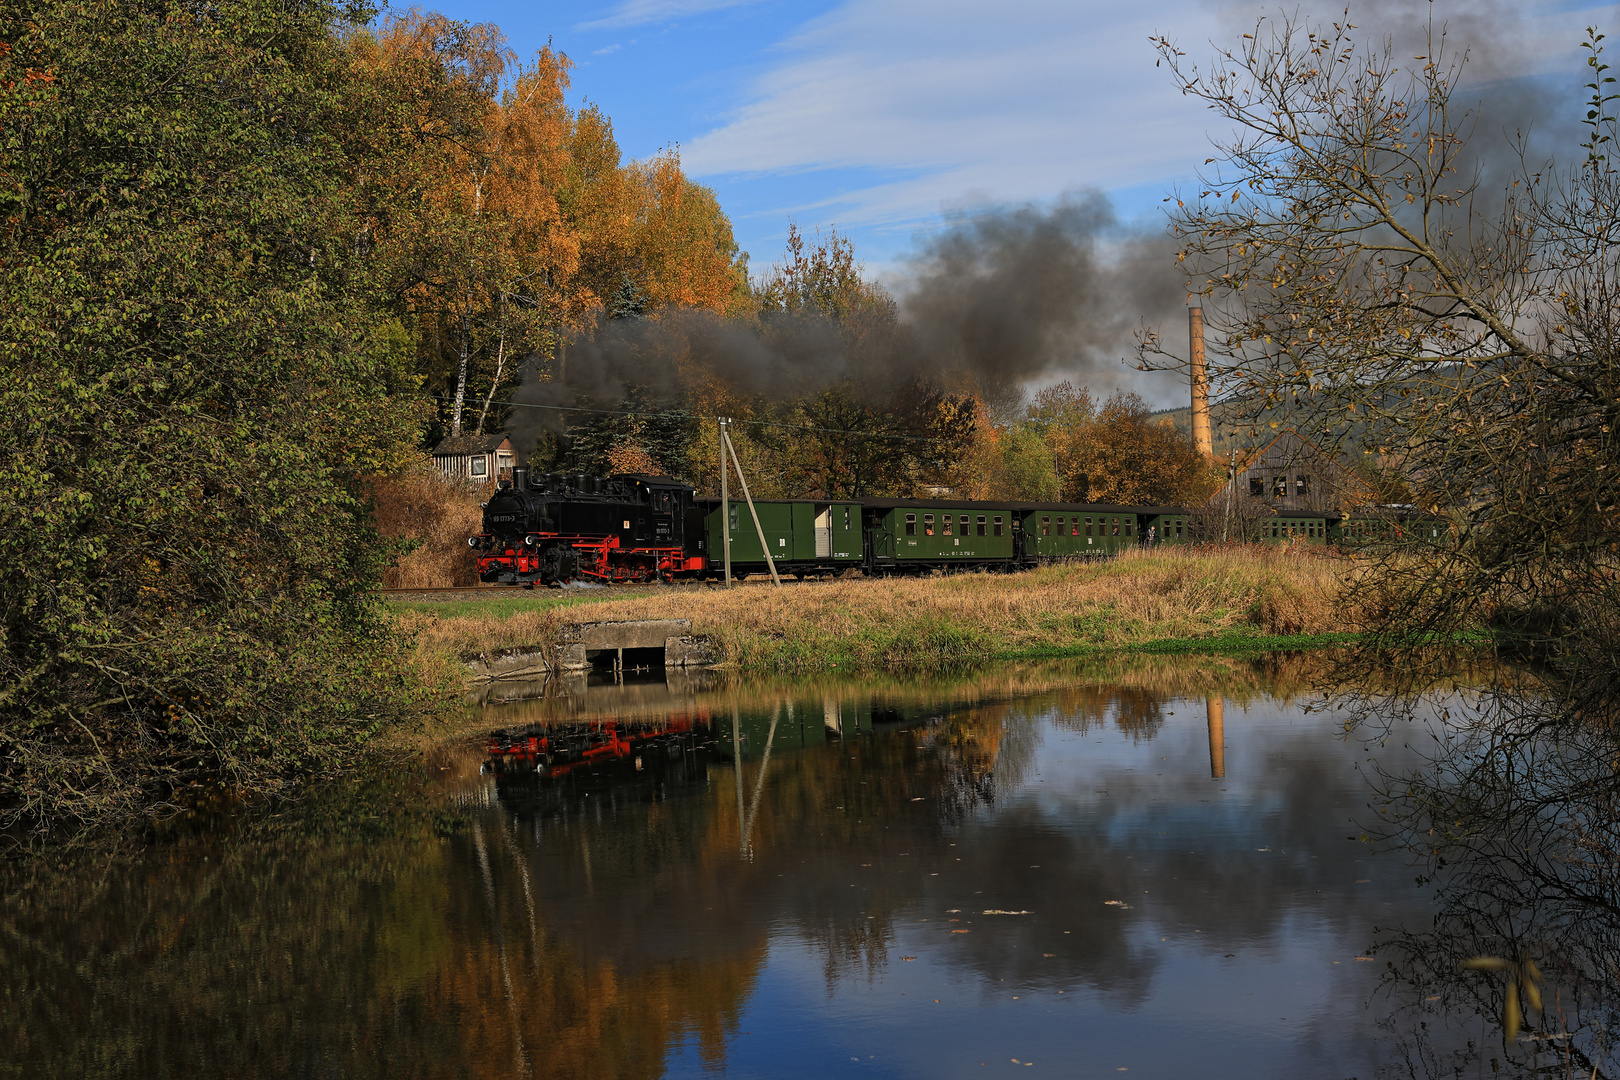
(599, 557)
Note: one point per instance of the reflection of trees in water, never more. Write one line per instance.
(980, 751)
(1138, 711)
(1515, 816)
(356, 933)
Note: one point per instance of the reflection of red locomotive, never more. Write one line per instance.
(558, 751)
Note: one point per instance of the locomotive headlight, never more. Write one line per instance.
(472, 541)
(530, 540)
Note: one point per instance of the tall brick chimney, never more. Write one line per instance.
(1200, 382)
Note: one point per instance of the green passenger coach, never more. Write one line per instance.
(805, 538)
(1066, 530)
(1166, 525)
(907, 534)
(1291, 525)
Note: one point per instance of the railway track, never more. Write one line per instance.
(466, 591)
(444, 589)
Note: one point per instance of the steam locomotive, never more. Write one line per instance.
(556, 527)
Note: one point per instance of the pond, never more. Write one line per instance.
(1160, 869)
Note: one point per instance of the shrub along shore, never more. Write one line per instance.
(1161, 600)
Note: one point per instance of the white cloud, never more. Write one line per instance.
(641, 12)
(1017, 100)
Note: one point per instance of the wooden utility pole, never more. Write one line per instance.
(725, 497)
(759, 530)
(1231, 495)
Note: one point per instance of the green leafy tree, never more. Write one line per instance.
(196, 370)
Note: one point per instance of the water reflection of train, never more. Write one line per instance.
(557, 751)
(547, 765)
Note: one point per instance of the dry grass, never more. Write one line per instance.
(1140, 598)
(417, 505)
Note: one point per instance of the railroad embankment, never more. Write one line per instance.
(1163, 600)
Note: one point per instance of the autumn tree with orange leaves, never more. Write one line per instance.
(527, 219)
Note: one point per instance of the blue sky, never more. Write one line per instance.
(879, 115)
(876, 115)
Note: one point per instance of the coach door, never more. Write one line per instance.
(823, 531)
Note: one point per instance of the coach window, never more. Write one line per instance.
(981, 525)
(733, 517)
(945, 520)
(1088, 526)
(928, 524)
(911, 524)
(1074, 526)
(1063, 525)
(1046, 526)
(846, 517)
(1116, 525)
(963, 521)
(997, 524)
(1130, 527)
(1257, 486)
(1178, 528)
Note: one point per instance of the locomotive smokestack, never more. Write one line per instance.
(1200, 381)
(520, 477)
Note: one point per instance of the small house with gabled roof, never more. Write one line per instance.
(476, 459)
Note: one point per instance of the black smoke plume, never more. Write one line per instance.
(998, 299)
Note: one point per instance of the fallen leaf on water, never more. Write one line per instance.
(1048, 954)
(998, 911)
(908, 958)
(961, 931)
(1486, 963)
(1116, 903)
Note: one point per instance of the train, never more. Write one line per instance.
(551, 528)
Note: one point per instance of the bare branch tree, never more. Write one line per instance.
(1356, 272)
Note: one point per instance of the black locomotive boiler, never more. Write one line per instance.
(553, 527)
